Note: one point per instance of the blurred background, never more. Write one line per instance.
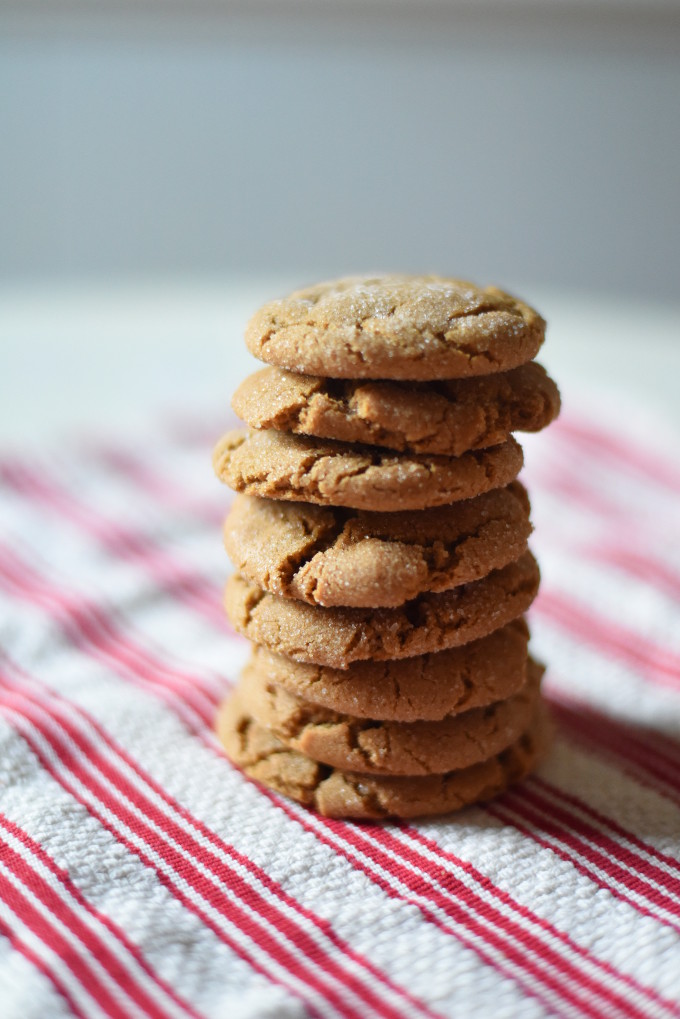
(166, 167)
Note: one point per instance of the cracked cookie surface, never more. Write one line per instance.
(276, 465)
(359, 558)
(396, 327)
(371, 746)
(426, 687)
(339, 636)
(335, 793)
(449, 417)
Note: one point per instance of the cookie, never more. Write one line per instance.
(339, 636)
(427, 687)
(275, 465)
(396, 327)
(334, 793)
(448, 417)
(354, 557)
(381, 747)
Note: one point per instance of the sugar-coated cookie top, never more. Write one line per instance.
(396, 327)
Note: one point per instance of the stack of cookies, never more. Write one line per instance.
(380, 538)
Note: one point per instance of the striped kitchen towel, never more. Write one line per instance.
(141, 875)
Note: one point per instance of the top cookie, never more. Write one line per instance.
(396, 327)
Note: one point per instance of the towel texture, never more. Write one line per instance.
(142, 875)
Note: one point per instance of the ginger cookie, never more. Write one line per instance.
(276, 465)
(396, 327)
(334, 793)
(381, 747)
(448, 417)
(358, 558)
(339, 636)
(423, 688)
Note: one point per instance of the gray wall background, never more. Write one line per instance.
(519, 143)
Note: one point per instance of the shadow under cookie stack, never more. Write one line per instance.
(380, 538)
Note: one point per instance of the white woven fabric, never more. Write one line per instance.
(140, 874)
